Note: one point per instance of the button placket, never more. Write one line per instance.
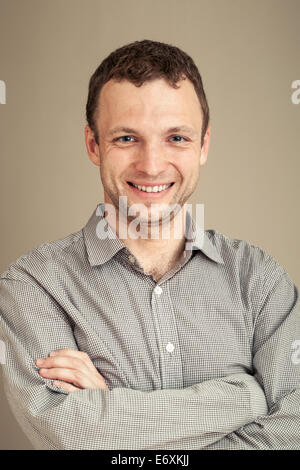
(171, 363)
(170, 347)
(158, 290)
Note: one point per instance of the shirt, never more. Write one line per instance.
(205, 358)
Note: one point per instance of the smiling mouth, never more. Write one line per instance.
(151, 189)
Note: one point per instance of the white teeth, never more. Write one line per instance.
(152, 189)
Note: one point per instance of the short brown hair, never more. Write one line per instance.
(143, 61)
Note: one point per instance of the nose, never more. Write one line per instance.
(151, 159)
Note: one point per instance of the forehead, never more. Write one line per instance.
(154, 99)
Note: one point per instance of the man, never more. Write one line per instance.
(119, 341)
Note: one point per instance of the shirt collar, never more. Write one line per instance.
(100, 249)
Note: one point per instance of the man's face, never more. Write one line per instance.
(148, 136)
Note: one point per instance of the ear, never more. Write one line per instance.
(91, 145)
(205, 146)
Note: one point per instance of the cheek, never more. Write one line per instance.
(189, 167)
(116, 158)
(113, 170)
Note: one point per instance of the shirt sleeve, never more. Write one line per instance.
(32, 325)
(276, 362)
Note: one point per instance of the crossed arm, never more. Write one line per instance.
(228, 412)
(276, 361)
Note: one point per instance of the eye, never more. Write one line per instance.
(124, 138)
(178, 138)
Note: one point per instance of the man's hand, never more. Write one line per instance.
(74, 367)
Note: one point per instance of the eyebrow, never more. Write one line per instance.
(129, 130)
(118, 129)
(187, 129)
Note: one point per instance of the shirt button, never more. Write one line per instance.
(131, 258)
(170, 347)
(158, 290)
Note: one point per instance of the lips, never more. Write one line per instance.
(147, 194)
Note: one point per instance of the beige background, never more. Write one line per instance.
(248, 55)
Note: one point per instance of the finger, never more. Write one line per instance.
(65, 386)
(74, 353)
(75, 377)
(62, 361)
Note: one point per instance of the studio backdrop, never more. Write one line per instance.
(248, 56)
